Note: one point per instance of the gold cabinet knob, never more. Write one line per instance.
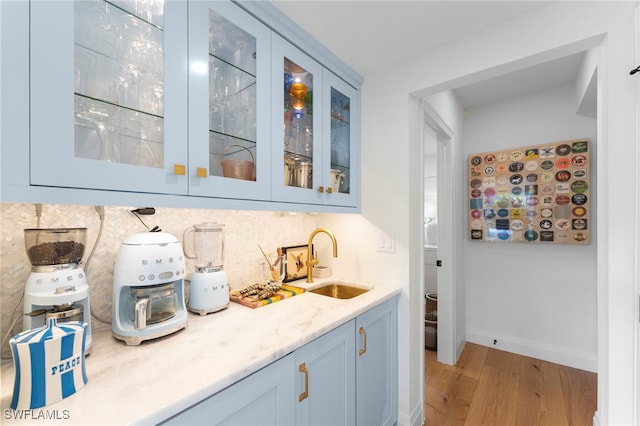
(321, 189)
(329, 190)
(201, 172)
(179, 169)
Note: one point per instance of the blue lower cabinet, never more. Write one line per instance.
(377, 366)
(347, 376)
(264, 398)
(325, 382)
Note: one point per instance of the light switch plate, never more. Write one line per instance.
(386, 244)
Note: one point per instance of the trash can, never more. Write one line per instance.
(431, 322)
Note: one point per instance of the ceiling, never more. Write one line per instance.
(538, 77)
(371, 36)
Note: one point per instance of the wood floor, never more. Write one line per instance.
(492, 387)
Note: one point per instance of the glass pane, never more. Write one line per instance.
(149, 10)
(298, 125)
(340, 142)
(232, 93)
(232, 100)
(119, 81)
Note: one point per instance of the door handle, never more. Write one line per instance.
(179, 169)
(303, 369)
(201, 172)
(364, 335)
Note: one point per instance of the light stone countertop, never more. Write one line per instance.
(149, 383)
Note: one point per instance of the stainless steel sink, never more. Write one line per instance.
(339, 291)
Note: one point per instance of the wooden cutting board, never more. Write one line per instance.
(285, 292)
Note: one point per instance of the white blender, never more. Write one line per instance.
(209, 287)
(57, 286)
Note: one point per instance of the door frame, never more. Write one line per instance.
(447, 303)
(637, 323)
(426, 119)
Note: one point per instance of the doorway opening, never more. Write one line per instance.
(453, 326)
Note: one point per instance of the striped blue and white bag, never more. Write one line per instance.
(49, 363)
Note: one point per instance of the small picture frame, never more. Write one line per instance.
(296, 257)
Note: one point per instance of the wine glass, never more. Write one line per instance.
(100, 116)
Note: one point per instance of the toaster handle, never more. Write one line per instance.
(140, 313)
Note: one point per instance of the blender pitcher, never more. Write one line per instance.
(209, 285)
(204, 242)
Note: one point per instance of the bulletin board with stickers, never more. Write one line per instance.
(533, 194)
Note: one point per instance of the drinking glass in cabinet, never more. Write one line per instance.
(298, 125)
(119, 81)
(340, 142)
(232, 100)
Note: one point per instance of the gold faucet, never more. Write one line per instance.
(313, 260)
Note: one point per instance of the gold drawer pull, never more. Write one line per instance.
(303, 369)
(364, 334)
(321, 189)
(329, 190)
(179, 169)
(201, 172)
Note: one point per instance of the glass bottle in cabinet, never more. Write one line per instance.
(228, 87)
(103, 76)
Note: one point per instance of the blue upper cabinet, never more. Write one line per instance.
(315, 144)
(341, 140)
(229, 92)
(205, 99)
(297, 124)
(108, 95)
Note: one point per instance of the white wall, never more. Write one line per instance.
(430, 191)
(430, 175)
(390, 144)
(537, 300)
(430, 186)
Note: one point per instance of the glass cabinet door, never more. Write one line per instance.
(342, 113)
(108, 97)
(298, 125)
(297, 130)
(229, 54)
(316, 146)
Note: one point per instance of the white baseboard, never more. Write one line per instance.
(596, 419)
(460, 341)
(415, 418)
(540, 350)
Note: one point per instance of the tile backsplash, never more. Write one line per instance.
(244, 230)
